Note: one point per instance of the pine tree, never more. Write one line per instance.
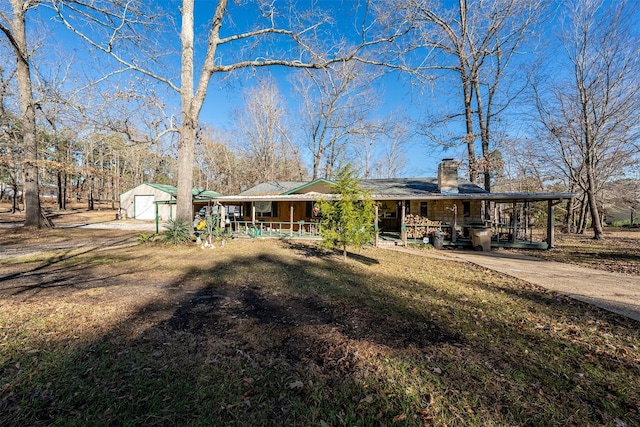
(348, 220)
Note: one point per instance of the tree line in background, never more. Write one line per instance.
(536, 107)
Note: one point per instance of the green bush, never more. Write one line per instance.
(145, 238)
(177, 232)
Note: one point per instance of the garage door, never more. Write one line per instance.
(144, 207)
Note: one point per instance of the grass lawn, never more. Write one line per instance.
(619, 251)
(276, 333)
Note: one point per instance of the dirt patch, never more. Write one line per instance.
(75, 214)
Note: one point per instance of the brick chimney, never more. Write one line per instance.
(448, 176)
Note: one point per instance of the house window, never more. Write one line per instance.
(424, 212)
(234, 211)
(263, 208)
(466, 209)
(312, 210)
(266, 209)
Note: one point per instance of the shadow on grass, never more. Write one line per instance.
(277, 340)
(315, 251)
(69, 269)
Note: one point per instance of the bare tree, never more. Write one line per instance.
(391, 161)
(264, 136)
(592, 116)
(277, 26)
(10, 142)
(476, 41)
(335, 106)
(14, 28)
(623, 195)
(224, 165)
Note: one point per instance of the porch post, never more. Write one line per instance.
(403, 225)
(375, 226)
(550, 224)
(223, 216)
(290, 219)
(253, 213)
(515, 222)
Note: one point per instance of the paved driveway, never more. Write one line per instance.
(132, 225)
(618, 293)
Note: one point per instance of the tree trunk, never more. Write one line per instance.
(30, 186)
(596, 223)
(90, 195)
(184, 208)
(60, 191)
(186, 146)
(470, 138)
(568, 221)
(584, 211)
(14, 200)
(567, 225)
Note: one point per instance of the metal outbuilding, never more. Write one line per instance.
(142, 201)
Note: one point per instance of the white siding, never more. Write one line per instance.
(128, 201)
(143, 206)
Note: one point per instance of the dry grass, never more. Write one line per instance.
(276, 333)
(618, 252)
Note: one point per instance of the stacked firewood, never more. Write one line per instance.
(419, 226)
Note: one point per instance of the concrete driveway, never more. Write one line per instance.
(132, 225)
(618, 293)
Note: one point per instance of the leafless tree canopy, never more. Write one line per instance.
(590, 114)
(474, 44)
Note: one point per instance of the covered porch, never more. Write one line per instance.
(477, 221)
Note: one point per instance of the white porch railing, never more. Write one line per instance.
(275, 229)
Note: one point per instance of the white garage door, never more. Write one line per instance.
(144, 207)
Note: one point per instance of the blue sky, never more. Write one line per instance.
(225, 96)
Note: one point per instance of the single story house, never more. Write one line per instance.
(150, 201)
(405, 206)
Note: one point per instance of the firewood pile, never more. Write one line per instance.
(420, 226)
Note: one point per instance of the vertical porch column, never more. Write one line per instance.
(403, 225)
(550, 224)
(454, 229)
(376, 229)
(253, 213)
(223, 216)
(290, 219)
(515, 222)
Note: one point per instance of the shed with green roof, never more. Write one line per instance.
(141, 201)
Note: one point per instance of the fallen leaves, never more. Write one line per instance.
(296, 385)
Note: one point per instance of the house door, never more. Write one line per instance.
(143, 207)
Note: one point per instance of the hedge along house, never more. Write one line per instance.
(406, 208)
(150, 201)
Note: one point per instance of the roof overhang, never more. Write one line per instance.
(494, 197)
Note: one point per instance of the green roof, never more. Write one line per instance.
(197, 193)
(308, 184)
(201, 193)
